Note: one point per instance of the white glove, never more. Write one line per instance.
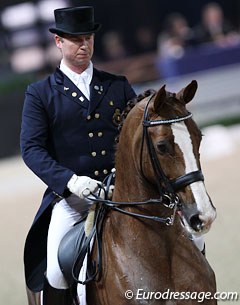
(83, 186)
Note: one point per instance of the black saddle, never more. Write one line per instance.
(75, 245)
(72, 251)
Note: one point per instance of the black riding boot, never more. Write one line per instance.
(53, 296)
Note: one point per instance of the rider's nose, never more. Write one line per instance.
(83, 45)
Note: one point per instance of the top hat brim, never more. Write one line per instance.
(60, 32)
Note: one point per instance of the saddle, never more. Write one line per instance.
(75, 246)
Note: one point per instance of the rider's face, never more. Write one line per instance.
(77, 51)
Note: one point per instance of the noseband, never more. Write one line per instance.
(166, 187)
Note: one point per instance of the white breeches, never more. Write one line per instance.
(64, 215)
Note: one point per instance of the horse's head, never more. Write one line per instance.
(173, 139)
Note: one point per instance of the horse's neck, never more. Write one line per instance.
(129, 184)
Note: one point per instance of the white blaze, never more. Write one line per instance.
(183, 140)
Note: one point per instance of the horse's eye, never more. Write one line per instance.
(164, 147)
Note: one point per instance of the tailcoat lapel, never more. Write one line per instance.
(98, 89)
(69, 89)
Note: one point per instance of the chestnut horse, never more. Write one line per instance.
(149, 252)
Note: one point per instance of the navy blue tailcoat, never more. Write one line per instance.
(63, 133)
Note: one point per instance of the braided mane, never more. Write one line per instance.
(130, 104)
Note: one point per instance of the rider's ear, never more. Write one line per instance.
(188, 93)
(159, 99)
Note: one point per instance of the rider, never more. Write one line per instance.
(69, 123)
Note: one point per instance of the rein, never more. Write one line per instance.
(118, 206)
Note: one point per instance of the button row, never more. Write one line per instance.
(97, 173)
(103, 153)
(99, 134)
(96, 116)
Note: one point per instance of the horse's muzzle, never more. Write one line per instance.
(195, 222)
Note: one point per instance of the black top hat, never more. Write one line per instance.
(75, 21)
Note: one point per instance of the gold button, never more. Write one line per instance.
(100, 134)
(97, 115)
(94, 154)
(103, 152)
(111, 103)
(74, 94)
(90, 134)
(89, 117)
(96, 173)
(105, 171)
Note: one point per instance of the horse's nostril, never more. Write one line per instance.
(196, 223)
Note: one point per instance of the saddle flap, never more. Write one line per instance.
(72, 251)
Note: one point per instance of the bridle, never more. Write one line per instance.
(167, 188)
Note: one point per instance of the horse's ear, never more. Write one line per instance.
(188, 93)
(160, 98)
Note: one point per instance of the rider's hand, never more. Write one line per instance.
(83, 186)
